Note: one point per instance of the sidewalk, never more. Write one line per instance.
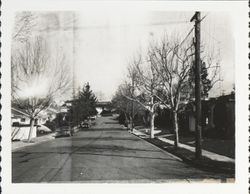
(210, 160)
(16, 145)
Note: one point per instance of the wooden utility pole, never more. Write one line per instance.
(74, 55)
(132, 96)
(132, 111)
(198, 126)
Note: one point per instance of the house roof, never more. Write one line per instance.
(18, 112)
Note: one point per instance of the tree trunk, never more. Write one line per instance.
(132, 116)
(131, 123)
(176, 130)
(32, 122)
(152, 127)
(126, 119)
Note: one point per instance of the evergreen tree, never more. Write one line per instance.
(87, 102)
(83, 106)
(206, 84)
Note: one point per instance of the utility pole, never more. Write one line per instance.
(75, 119)
(198, 126)
(74, 53)
(132, 111)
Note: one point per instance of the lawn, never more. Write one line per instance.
(218, 146)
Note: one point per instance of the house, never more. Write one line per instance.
(18, 116)
(48, 114)
(187, 115)
(103, 106)
(66, 106)
(20, 121)
(218, 116)
(20, 127)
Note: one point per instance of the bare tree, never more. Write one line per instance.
(146, 87)
(122, 101)
(131, 85)
(173, 62)
(38, 78)
(25, 22)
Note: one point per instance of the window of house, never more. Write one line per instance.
(22, 119)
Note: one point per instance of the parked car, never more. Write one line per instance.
(41, 129)
(92, 118)
(85, 124)
(64, 131)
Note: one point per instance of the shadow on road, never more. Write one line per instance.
(110, 123)
(106, 139)
(113, 148)
(102, 129)
(89, 152)
(97, 148)
(124, 156)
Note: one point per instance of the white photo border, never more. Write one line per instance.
(239, 10)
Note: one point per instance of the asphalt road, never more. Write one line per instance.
(104, 153)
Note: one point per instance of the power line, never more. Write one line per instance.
(69, 28)
(191, 30)
(187, 36)
(203, 17)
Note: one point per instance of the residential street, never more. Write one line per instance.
(104, 153)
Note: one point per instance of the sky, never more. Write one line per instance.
(99, 45)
